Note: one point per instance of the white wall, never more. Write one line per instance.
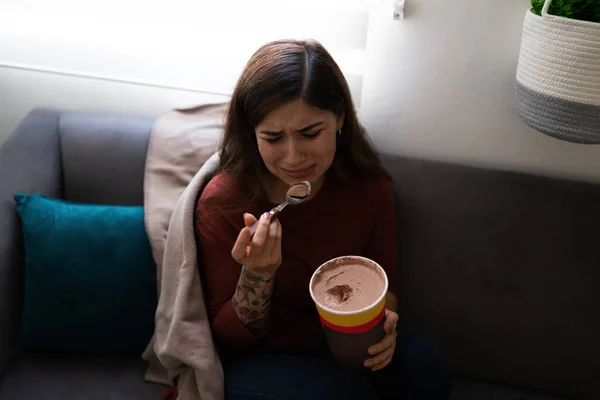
(21, 91)
(438, 84)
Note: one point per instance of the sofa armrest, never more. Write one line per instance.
(30, 162)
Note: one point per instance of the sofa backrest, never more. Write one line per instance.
(502, 269)
(103, 157)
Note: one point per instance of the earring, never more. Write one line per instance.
(339, 132)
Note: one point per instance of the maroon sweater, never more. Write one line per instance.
(344, 218)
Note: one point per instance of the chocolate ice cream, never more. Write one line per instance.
(348, 286)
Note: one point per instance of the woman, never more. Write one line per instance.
(291, 118)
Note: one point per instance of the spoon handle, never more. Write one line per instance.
(274, 212)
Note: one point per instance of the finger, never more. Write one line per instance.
(383, 364)
(391, 319)
(239, 248)
(383, 357)
(249, 219)
(270, 244)
(276, 252)
(388, 341)
(260, 236)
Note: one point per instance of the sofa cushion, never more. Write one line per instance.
(90, 281)
(103, 157)
(74, 378)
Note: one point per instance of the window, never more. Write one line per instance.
(190, 45)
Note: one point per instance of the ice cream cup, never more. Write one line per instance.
(351, 333)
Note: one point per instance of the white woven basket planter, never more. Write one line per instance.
(558, 77)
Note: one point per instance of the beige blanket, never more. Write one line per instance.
(181, 155)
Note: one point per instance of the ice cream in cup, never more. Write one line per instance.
(349, 293)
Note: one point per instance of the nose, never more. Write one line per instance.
(295, 154)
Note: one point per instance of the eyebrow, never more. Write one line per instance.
(303, 130)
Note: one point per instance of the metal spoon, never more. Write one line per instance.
(296, 194)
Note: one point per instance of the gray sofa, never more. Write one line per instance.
(501, 269)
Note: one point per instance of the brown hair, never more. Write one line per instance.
(280, 72)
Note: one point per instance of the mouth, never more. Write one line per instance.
(299, 173)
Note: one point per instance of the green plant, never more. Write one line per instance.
(586, 10)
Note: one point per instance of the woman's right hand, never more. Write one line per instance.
(261, 253)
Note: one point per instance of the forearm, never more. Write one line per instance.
(251, 301)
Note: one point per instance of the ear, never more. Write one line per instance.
(340, 122)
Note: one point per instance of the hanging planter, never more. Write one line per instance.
(558, 73)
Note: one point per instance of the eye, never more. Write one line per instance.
(273, 140)
(312, 135)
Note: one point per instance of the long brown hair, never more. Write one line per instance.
(279, 72)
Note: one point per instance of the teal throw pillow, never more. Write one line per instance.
(90, 279)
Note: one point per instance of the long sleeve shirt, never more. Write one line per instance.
(343, 218)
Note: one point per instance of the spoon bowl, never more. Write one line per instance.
(296, 194)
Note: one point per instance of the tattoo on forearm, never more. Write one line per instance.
(252, 301)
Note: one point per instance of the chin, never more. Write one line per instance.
(311, 176)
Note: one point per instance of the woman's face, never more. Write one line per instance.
(297, 142)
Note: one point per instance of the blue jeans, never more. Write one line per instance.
(417, 371)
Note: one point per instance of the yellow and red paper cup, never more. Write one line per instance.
(351, 333)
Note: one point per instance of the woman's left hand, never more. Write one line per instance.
(384, 350)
